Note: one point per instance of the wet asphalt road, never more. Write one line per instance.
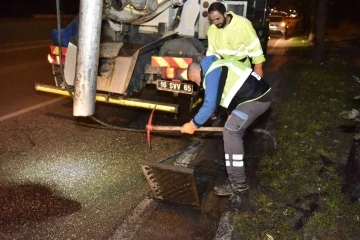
(63, 180)
(59, 179)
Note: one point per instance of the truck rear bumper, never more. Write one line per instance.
(130, 102)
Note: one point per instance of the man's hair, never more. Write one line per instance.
(217, 6)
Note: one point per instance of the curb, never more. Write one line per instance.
(226, 227)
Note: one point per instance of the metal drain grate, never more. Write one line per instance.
(171, 183)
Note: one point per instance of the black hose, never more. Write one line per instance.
(177, 19)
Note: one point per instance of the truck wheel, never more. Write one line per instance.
(183, 47)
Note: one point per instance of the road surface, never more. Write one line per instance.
(59, 179)
(63, 180)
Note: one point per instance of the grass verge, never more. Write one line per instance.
(300, 194)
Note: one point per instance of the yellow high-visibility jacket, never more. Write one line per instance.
(236, 41)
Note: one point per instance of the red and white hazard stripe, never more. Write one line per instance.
(172, 67)
(55, 50)
(174, 73)
(174, 62)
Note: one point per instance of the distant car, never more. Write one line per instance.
(278, 26)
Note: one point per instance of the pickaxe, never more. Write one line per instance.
(150, 127)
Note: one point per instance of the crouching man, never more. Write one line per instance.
(236, 87)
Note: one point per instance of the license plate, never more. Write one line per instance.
(170, 86)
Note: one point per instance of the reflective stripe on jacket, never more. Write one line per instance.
(236, 41)
(238, 86)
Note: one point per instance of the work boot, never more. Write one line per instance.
(228, 188)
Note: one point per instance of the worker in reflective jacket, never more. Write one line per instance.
(233, 37)
(236, 87)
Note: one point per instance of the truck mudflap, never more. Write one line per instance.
(126, 69)
(127, 77)
(129, 102)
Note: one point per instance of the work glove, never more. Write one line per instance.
(188, 128)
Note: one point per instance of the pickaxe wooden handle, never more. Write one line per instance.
(177, 128)
(150, 127)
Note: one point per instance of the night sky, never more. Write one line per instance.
(25, 8)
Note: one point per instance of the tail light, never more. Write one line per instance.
(53, 59)
(53, 56)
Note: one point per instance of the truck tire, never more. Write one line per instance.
(183, 47)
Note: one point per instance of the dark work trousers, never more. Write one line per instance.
(240, 119)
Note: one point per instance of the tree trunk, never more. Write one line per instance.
(320, 32)
(313, 19)
(306, 17)
(352, 169)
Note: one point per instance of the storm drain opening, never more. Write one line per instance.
(171, 183)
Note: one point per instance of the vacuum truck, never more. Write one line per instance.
(114, 49)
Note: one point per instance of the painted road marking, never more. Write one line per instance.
(277, 42)
(21, 48)
(272, 48)
(18, 46)
(131, 225)
(29, 109)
